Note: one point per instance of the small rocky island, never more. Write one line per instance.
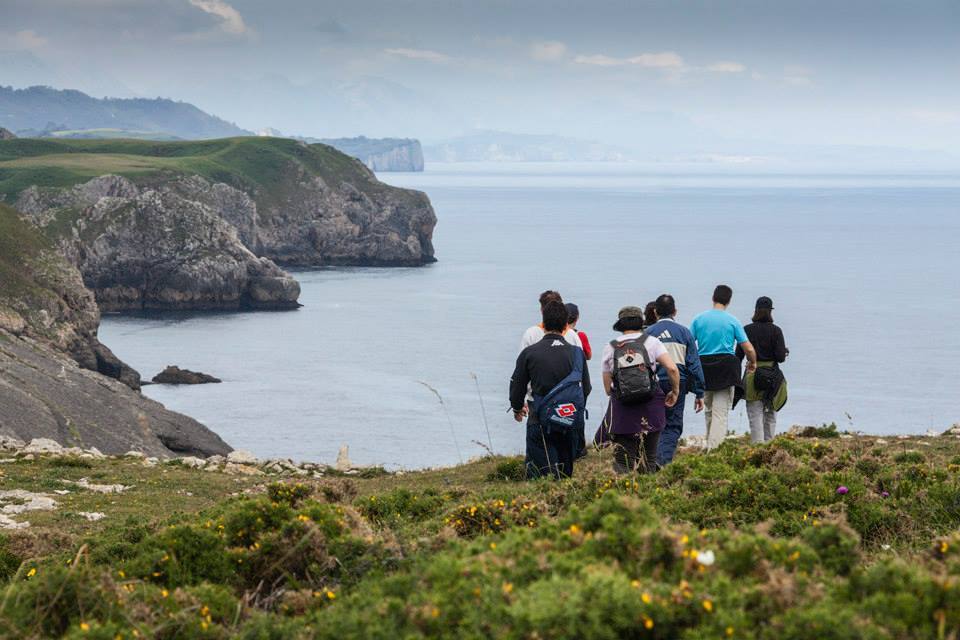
(175, 375)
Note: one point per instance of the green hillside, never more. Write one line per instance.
(266, 168)
(802, 538)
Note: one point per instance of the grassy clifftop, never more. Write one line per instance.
(263, 167)
(800, 538)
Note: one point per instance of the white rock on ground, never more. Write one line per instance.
(8, 443)
(25, 501)
(193, 462)
(242, 469)
(242, 457)
(99, 488)
(6, 522)
(92, 516)
(134, 454)
(42, 445)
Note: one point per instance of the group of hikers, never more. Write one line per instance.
(647, 372)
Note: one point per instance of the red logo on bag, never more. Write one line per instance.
(566, 410)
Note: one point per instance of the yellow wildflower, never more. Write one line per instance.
(648, 623)
(646, 598)
(707, 606)
(729, 631)
(84, 627)
(435, 612)
(507, 587)
(32, 572)
(493, 545)
(331, 595)
(164, 593)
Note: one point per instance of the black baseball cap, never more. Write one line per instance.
(763, 302)
(573, 311)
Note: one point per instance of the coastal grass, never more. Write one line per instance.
(827, 537)
(266, 168)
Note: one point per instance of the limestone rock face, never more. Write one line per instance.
(341, 224)
(51, 304)
(45, 394)
(6, 134)
(158, 248)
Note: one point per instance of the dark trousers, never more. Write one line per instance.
(674, 429)
(635, 452)
(551, 453)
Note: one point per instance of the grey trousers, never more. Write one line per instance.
(717, 406)
(763, 421)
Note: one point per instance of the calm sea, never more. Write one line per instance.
(862, 269)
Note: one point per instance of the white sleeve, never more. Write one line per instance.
(655, 348)
(573, 338)
(606, 359)
(528, 338)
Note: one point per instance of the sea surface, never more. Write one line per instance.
(410, 367)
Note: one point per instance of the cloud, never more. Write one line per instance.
(230, 20)
(26, 40)
(936, 116)
(548, 50)
(419, 54)
(663, 60)
(726, 67)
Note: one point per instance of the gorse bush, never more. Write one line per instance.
(793, 539)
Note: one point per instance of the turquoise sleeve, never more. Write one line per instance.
(740, 333)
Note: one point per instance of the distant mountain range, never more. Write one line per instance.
(48, 112)
(500, 146)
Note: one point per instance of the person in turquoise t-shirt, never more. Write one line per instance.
(718, 333)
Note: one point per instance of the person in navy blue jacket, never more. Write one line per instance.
(682, 347)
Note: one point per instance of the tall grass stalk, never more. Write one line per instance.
(453, 432)
(483, 411)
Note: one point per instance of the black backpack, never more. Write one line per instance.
(634, 381)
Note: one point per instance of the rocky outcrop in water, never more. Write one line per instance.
(56, 379)
(158, 248)
(175, 375)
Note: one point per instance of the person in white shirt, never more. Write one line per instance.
(535, 334)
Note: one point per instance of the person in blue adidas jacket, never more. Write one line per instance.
(682, 347)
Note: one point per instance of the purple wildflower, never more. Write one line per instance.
(885, 494)
(842, 490)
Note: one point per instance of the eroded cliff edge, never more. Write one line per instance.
(56, 379)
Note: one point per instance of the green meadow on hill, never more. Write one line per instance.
(821, 537)
(266, 168)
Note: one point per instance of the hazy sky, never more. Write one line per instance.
(860, 72)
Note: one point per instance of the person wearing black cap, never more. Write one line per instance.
(766, 388)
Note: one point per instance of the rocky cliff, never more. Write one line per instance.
(158, 248)
(382, 154)
(56, 379)
(204, 224)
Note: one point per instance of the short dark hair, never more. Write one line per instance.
(573, 312)
(763, 315)
(650, 313)
(665, 305)
(554, 316)
(722, 294)
(549, 295)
